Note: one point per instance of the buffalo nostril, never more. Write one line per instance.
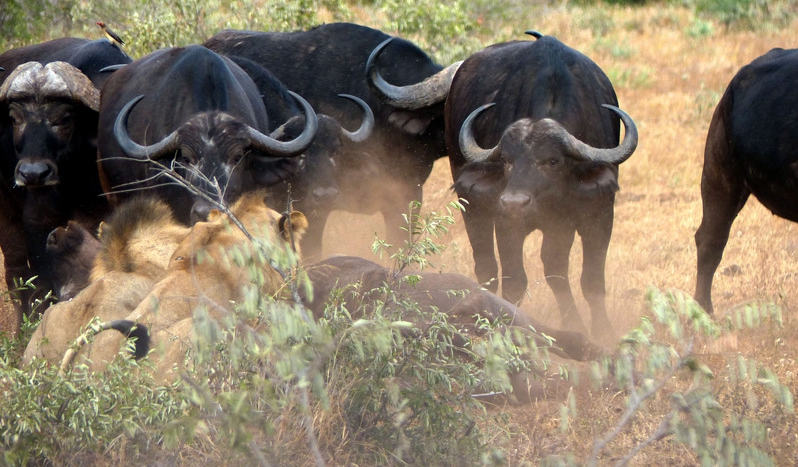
(200, 211)
(35, 174)
(325, 195)
(52, 239)
(515, 200)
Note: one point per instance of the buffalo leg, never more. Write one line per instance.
(723, 194)
(312, 239)
(722, 198)
(595, 241)
(510, 241)
(554, 253)
(479, 227)
(15, 258)
(397, 205)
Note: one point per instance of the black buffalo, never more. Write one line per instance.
(362, 286)
(315, 187)
(89, 56)
(191, 114)
(549, 167)
(330, 60)
(49, 101)
(751, 147)
(362, 281)
(72, 250)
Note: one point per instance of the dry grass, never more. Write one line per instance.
(669, 82)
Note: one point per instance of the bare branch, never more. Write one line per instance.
(636, 400)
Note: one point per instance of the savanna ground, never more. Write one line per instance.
(669, 70)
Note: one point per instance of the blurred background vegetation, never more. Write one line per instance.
(449, 30)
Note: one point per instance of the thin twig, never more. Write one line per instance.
(636, 400)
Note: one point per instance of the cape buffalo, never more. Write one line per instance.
(459, 297)
(187, 116)
(72, 250)
(549, 117)
(395, 161)
(750, 148)
(49, 101)
(363, 285)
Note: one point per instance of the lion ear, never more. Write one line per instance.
(102, 229)
(214, 215)
(298, 225)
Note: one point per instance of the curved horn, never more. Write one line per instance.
(111, 68)
(431, 91)
(615, 155)
(368, 120)
(132, 148)
(294, 147)
(533, 33)
(468, 145)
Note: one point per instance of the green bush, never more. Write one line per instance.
(659, 360)
(374, 387)
(47, 417)
(745, 14)
(442, 29)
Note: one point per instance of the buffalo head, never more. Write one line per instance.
(51, 108)
(539, 164)
(72, 249)
(215, 155)
(314, 185)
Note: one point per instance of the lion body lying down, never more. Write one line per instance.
(156, 272)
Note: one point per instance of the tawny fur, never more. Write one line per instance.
(139, 237)
(162, 272)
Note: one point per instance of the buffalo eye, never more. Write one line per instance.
(549, 162)
(183, 159)
(62, 120)
(61, 125)
(16, 118)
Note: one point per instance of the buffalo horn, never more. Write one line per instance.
(615, 155)
(132, 148)
(468, 145)
(474, 153)
(295, 147)
(368, 120)
(56, 79)
(431, 91)
(112, 68)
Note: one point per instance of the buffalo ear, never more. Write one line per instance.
(411, 123)
(297, 227)
(480, 180)
(596, 178)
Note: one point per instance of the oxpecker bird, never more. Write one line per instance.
(111, 35)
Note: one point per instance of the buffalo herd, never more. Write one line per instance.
(120, 177)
